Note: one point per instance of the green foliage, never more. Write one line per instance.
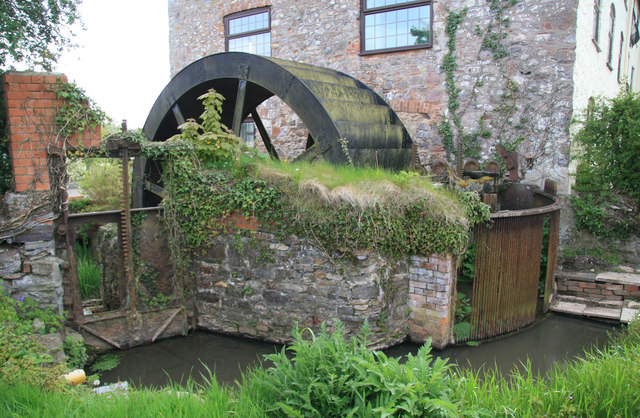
(22, 359)
(496, 31)
(544, 256)
(601, 383)
(158, 301)
(463, 307)
(329, 376)
(493, 36)
(80, 205)
(6, 175)
(344, 145)
(607, 177)
(610, 143)
(450, 65)
(215, 144)
(594, 212)
(102, 184)
(35, 32)
(462, 331)
(106, 362)
(467, 270)
(76, 352)
(89, 272)
(77, 112)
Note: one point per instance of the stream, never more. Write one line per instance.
(555, 339)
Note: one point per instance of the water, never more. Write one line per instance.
(555, 339)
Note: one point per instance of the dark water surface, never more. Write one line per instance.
(555, 339)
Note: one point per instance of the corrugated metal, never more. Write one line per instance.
(507, 268)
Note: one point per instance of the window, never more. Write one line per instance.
(395, 25)
(248, 132)
(249, 31)
(635, 34)
(611, 29)
(596, 21)
(620, 56)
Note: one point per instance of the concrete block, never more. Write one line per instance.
(629, 315)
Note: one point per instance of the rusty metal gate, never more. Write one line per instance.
(507, 267)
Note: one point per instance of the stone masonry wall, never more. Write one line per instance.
(254, 283)
(537, 74)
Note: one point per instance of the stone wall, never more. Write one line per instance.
(254, 283)
(537, 73)
(29, 265)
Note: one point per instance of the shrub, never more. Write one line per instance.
(610, 141)
(22, 359)
(76, 352)
(329, 376)
(102, 184)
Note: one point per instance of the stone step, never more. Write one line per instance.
(589, 302)
(581, 309)
(576, 275)
(629, 315)
(632, 279)
(571, 308)
(614, 277)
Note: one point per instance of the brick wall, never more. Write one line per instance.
(31, 109)
(595, 288)
(432, 298)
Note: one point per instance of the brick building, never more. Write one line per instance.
(524, 70)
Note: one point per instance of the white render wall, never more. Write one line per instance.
(591, 76)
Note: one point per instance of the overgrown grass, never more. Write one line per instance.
(601, 383)
(89, 272)
(329, 376)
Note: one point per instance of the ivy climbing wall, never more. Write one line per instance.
(32, 254)
(32, 104)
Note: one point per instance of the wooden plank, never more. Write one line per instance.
(166, 324)
(102, 337)
(264, 134)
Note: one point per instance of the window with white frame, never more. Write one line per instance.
(249, 31)
(395, 25)
(596, 21)
(611, 29)
(635, 33)
(620, 57)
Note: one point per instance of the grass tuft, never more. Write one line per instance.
(89, 273)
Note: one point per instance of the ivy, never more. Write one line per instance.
(496, 30)
(204, 185)
(450, 65)
(6, 175)
(77, 112)
(493, 36)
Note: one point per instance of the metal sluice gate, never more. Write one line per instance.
(507, 267)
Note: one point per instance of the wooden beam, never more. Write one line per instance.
(178, 114)
(264, 135)
(237, 113)
(138, 181)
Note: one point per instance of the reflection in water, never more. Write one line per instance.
(554, 340)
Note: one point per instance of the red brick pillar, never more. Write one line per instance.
(31, 111)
